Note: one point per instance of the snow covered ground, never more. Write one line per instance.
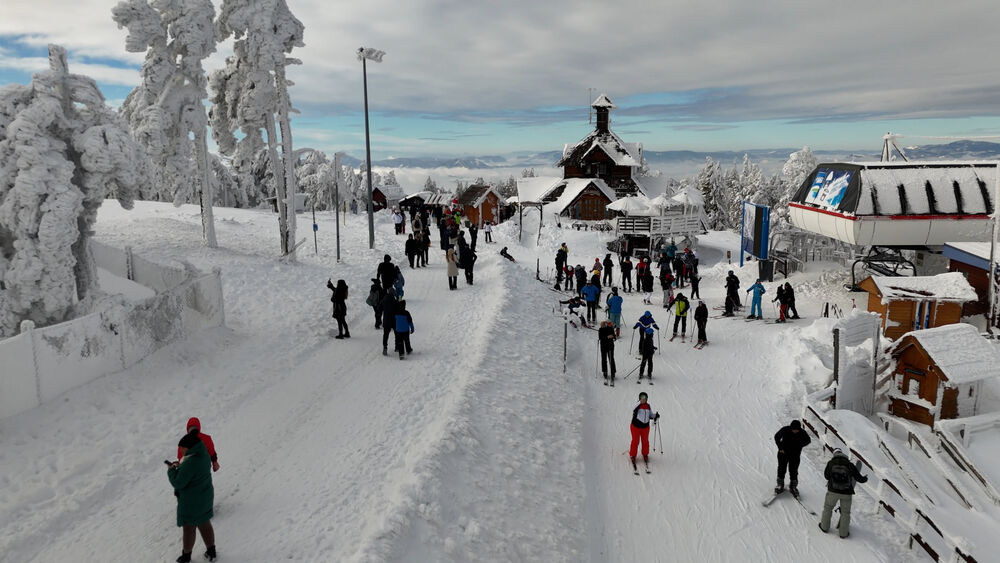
(476, 448)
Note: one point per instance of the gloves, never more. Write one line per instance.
(656, 416)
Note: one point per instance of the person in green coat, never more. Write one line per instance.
(191, 478)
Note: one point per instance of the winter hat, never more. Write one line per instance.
(614, 290)
(838, 451)
(647, 314)
(730, 272)
(189, 440)
(387, 258)
(649, 330)
(796, 424)
(643, 395)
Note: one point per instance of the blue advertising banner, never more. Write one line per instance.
(829, 187)
(755, 230)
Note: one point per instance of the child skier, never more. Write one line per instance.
(641, 415)
(646, 349)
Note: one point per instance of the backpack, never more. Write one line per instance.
(372, 298)
(840, 477)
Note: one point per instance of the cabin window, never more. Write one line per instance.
(911, 382)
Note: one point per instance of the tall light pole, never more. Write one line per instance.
(365, 54)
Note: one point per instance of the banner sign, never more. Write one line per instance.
(829, 187)
(755, 231)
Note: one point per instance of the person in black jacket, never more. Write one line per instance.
(609, 267)
(790, 441)
(790, 298)
(388, 319)
(339, 299)
(466, 259)
(840, 476)
(606, 338)
(646, 349)
(386, 273)
(560, 263)
(701, 319)
(410, 249)
(474, 235)
(626, 265)
(732, 294)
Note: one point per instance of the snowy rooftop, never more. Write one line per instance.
(532, 190)
(392, 192)
(574, 186)
(960, 352)
(951, 286)
(603, 101)
(977, 249)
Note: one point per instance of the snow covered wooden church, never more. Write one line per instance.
(606, 178)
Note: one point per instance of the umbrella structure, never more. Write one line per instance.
(662, 202)
(630, 205)
(689, 196)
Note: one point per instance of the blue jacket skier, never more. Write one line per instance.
(615, 310)
(592, 294)
(758, 290)
(646, 321)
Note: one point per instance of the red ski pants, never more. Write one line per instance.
(637, 435)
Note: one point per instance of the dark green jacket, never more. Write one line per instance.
(192, 480)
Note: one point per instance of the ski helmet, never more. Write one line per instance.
(649, 330)
(647, 314)
(643, 395)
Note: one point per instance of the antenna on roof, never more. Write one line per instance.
(889, 143)
(590, 109)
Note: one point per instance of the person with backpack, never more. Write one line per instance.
(642, 413)
(374, 300)
(701, 319)
(609, 267)
(404, 328)
(840, 476)
(680, 314)
(626, 266)
(646, 350)
(606, 339)
(339, 300)
(592, 294)
(615, 310)
(758, 290)
(194, 425)
(790, 441)
(191, 478)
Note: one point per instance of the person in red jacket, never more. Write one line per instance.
(195, 424)
(642, 413)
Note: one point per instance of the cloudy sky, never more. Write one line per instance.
(476, 78)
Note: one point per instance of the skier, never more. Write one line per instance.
(758, 290)
(592, 294)
(701, 319)
(680, 314)
(503, 252)
(790, 441)
(606, 338)
(386, 273)
(695, 280)
(609, 268)
(374, 300)
(574, 303)
(404, 328)
(615, 310)
(626, 266)
(561, 255)
(646, 350)
(640, 270)
(452, 261)
(790, 297)
(195, 424)
(679, 270)
(647, 285)
(641, 415)
(388, 319)
(840, 476)
(192, 483)
(782, 300)
(339, 299)
(645, 322)
(732, 293)
(671, 250)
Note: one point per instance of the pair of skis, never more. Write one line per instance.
(635, 468)
(700, 345)
(606, 382)
(769, 500)
(650, 379)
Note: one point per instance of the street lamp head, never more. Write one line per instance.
(370, 54)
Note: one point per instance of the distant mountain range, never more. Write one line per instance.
(768, 159)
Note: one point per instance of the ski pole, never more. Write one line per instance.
(659, 345)
(631, 341)
(633, 370)
(659, 435)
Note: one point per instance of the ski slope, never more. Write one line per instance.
(476, 448)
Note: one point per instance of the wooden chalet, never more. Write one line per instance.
(940, 372)
(386, 197)
(918, 302)
(425, 200)
(480, 203)
(602, 155)
(972, 260)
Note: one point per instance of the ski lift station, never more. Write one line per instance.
(903, 205)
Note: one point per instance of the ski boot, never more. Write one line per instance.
(793, 487)
(645, 459)
(210, 553)
(184, 558)
(780, 486)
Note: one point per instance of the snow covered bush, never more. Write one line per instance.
(62, 152)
